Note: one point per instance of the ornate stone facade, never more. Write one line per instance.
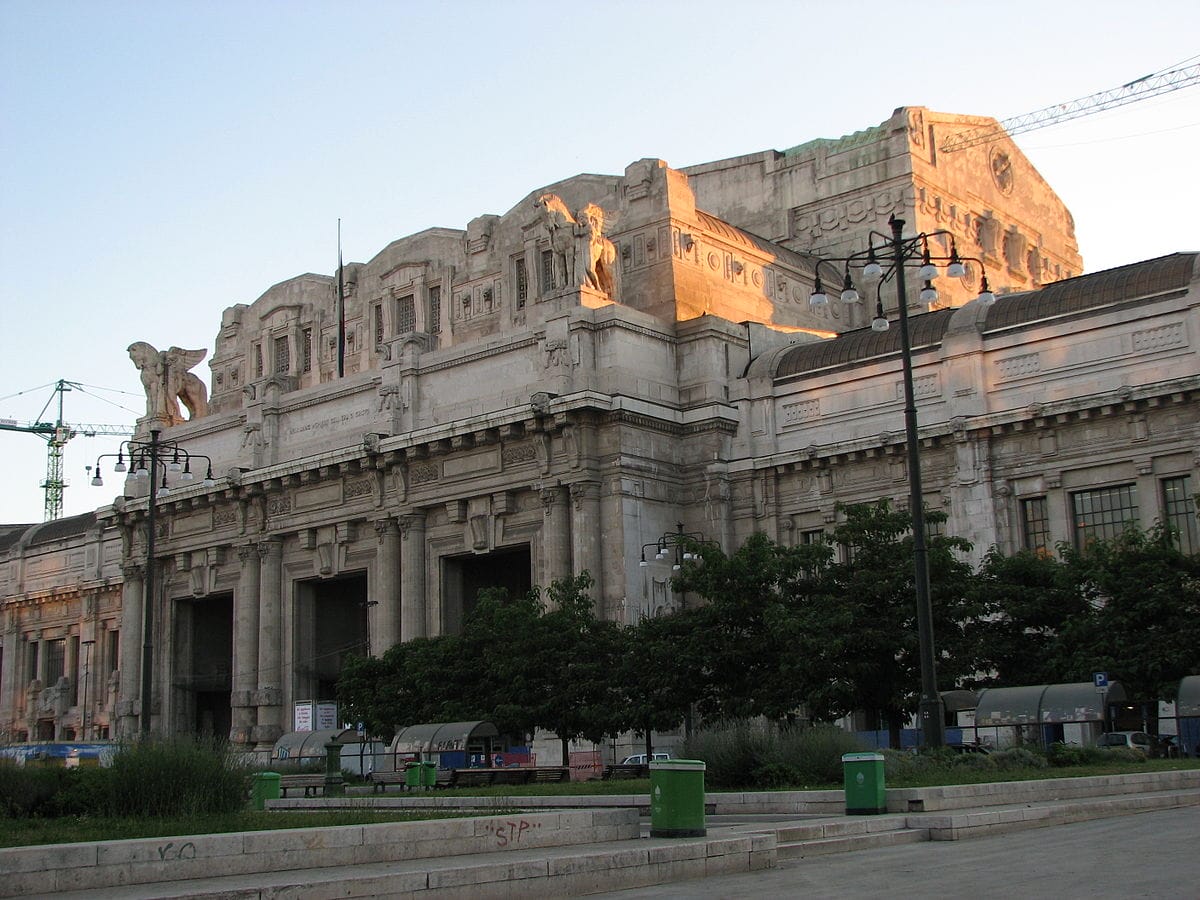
(552, 388)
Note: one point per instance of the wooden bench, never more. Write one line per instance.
(549, 775)
(620, 770)
(311, 784)
(381, 780)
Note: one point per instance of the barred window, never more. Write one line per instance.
(547, 270)
(406, 315)
(258, 361)
(1103, 514)
(435, 309)
(283, 356)
(1179, 512)
(522, 278)
(1035, 525)
(56, 661)
(306, 351)
(112, 651)
(31, 659)
(377, 323)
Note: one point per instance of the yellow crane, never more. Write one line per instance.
(1152, 85)
(57, 434)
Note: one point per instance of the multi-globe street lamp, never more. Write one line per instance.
(146, 460)
(887, 257)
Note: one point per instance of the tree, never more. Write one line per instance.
(1025, 602)
(1141, 622)
(860, 634)
(743, 636)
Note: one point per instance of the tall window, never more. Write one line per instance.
(1179, 512)
(547, 270)
(112, 651)
(56, 661)
(1035, 525)
(522, 278)
(406, 315)
(258, 361)
(78, 670)
(283, 356)
(1102, 514)
(306, 351)
(31, 659)
(435, 309)
(377, 323)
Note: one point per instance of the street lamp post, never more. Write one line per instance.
(898, 251)
(87, 677)
(145, 458)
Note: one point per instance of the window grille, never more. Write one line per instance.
(1035, 525)
(435, 309)
(406, 315)
(1179, 512)
(1102, 514)
(283, 356)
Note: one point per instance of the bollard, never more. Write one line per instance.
(335, 786)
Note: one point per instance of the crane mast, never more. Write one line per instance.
(1139, 89)
(56, 435)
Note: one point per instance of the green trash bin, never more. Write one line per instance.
(865, 791)
(677, 798)
(412, 775)
(428, 774)
(264, 786)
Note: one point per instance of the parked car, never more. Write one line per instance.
(639, 759)
(1130, 740)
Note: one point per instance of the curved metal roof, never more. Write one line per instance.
(307, 744)
(1132, 282)
(1188, 701)
(435, 737)
(925, 330)
(1032, 704)
(954, 701)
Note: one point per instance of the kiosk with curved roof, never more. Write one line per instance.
(445, 737)
(299, 745)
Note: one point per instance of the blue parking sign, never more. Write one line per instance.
(1100, 679)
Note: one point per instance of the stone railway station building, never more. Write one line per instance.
(551, 389)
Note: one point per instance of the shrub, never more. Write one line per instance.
(27, 791)
(177, 776)
(762, 755)
(1018, 758)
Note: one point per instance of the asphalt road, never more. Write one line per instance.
(1154, 854)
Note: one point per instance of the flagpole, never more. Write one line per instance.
(341, 310)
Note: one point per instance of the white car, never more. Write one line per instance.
(1134, 740)
(639, 759)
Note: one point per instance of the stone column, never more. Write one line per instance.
(556, 535)
(245, 647)
(269, 696)
(384, 616)
(412, 575)
(8, 678)
(133, 596)
(585, 532)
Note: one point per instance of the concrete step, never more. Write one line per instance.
(850, 842)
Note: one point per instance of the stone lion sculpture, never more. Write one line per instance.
(167, 381)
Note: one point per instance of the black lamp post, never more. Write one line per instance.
(145, 460)
(898, 252)
(87, 677)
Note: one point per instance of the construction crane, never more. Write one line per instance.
(56, 434)
(1151, 85)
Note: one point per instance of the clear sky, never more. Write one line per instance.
(162, 161)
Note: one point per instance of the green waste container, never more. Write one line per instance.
(865, 791)
(677, 798)
(412, 775)
(263, 787)
(428, 774)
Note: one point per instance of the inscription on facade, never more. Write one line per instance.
(1019, 366)
(794, 413)
(1159, 338)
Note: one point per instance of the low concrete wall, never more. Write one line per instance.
(1001, 793)
(104, 864)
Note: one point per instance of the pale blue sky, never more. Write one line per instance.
(162, 161)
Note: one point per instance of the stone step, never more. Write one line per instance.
(843, 827)
(850, 842)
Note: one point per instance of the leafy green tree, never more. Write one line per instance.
(1142, 617)
(1025, 601)
(860, 634)
(661, 673)
(744, 634)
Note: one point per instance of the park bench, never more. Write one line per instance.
(622, 770)
(311, 784)
(381, 780)
(549, 774)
